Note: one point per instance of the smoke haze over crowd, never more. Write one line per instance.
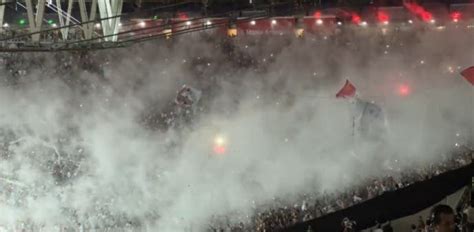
(77, 152)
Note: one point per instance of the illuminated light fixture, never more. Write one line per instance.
(54, 25)
(208, 23)
(232, 30)
(455, 16)
(432, 21)
(6, 25)
(142, 24)
(168, 32)
(363, 23)
(299, 30)
(274, 22)
(339, 23)
(120, 24)
(22, 21)
(319, 22)
(356, 19)
(97, 25)
(253, 22)
(188, 23)
(410, 21)
(317, 14)
(383, 17)
(50, 21)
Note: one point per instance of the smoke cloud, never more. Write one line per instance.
(76, 150)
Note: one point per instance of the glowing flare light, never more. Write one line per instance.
(419, 11)
(455, 16)
(356, 19)
(220, 145)
(404, 90)
(383, 17)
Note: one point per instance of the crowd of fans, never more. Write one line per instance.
(280, 215)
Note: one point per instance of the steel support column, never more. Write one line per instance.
(88, 28)
(2, 12)
(35, 19)
(110, 8)
(67, 15)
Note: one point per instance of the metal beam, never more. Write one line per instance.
(2, 12)
(61, 15)
(107, 9)
(35, 19)
(88, 28)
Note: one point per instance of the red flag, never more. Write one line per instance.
(468, 73)
(348, 90)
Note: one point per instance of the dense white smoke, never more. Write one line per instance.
(76, 152)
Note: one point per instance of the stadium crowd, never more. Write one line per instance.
(279, 215)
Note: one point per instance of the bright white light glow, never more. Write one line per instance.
(319, 22)
(219, 140)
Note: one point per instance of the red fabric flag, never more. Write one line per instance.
(468, 73)
(347, 91)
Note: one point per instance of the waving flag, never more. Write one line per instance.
(347, 91)
(370, 121)
(469, 74)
